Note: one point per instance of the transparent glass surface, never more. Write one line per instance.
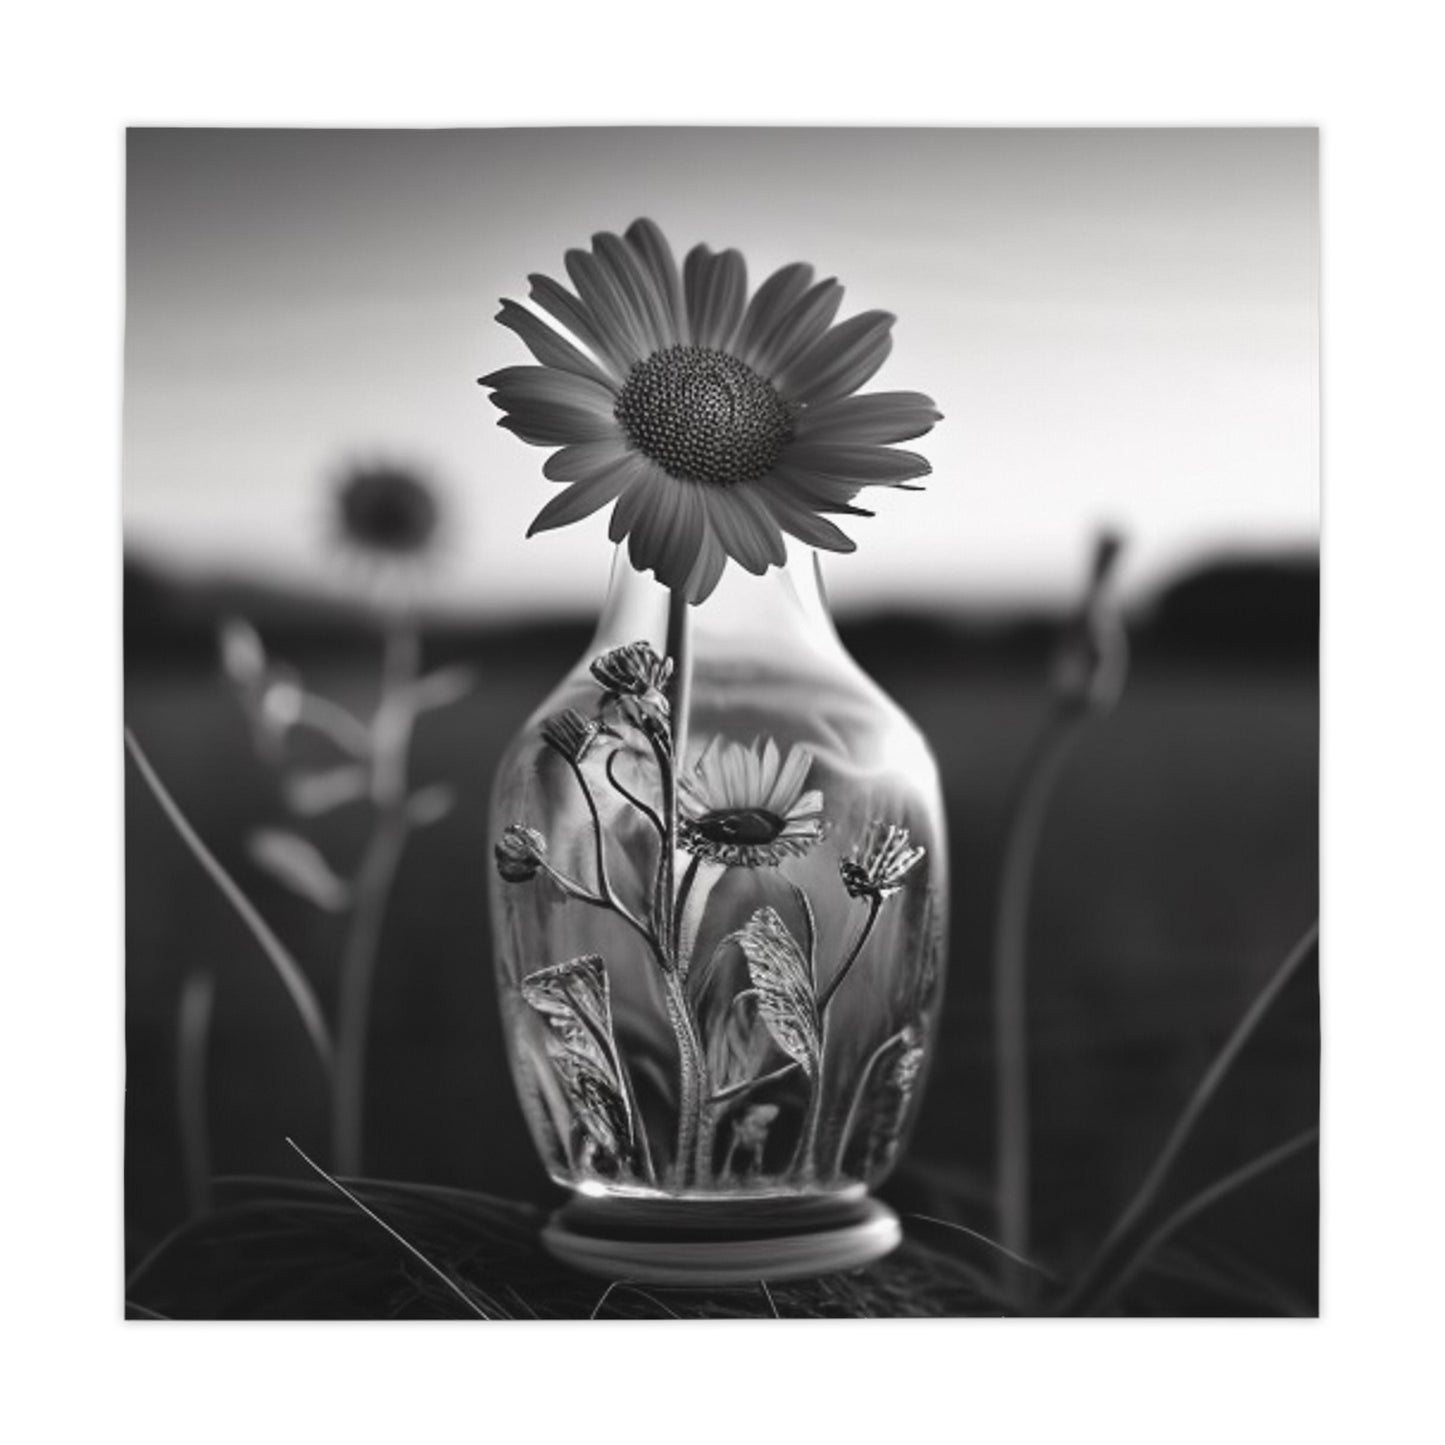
(719, 903)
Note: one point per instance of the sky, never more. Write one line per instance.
(1120, 327)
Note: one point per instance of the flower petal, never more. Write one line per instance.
(555, 426)
(667, 536)
(615, 310)
(715, 288)
(802, 328)
(707, 571)
(637, 498)
(583, 498)
(635, 282)
(646, 238)
(547, 346)
(769, 762)
(552, 408)
(842, 361)
(545, 386)
(880, 418)
(807, 807)
(791, 776)
(801, 521)
(870, 466)
(745, 527)
(769, 309)
(818, 490)
(578, 462)
(559, 303)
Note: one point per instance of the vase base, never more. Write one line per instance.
(720, 1242)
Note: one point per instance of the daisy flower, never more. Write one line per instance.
(745, 806)
(713, 420)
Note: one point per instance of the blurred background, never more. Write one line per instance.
(1121, 328)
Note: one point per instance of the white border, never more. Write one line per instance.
(78, 74)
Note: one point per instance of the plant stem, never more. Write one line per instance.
(689, 877)
(1010, 969)
(391, 732)
(875, 903)
(694, 1143)
(679, 687)
(805, 1159)
(193, 1046)
(851, 1120)
(690, 1074)
(658, 826)
(308, 1009)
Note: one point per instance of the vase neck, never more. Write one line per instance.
(785, 604)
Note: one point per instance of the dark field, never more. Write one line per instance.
(1178, 870)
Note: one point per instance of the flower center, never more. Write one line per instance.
(704, 416)
(746, 826)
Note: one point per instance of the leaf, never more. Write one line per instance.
(318, 791)
(281, 700)
(739, 1047)
(443, 687)
(430, 805)
(242, 653)
(783, 981)
(896, 1085)
(573, 999)
(298, 864)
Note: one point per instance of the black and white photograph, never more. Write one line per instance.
(721, 722)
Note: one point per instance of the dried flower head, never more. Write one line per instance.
(744, 806)
(1092, 658)
(520, 853)
(571, 733)
(880, 861)
(715, 422)
(634, 670)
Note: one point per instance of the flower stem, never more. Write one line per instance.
(864, 1074)
(875, 903)
(694, 1143)
(1010, 969)
(658, 826)
(193, 1048)
(679, 687)
(391, 731)
(805, 1160)
(680, 907)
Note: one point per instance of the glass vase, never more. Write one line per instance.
(719, 908)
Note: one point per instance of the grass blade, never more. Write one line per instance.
(1204, 1091)
(1202, 1201)
(405, 1243)
(302, 995)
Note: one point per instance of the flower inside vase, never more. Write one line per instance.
(718, 905)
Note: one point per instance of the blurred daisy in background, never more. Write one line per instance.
(387, 519)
